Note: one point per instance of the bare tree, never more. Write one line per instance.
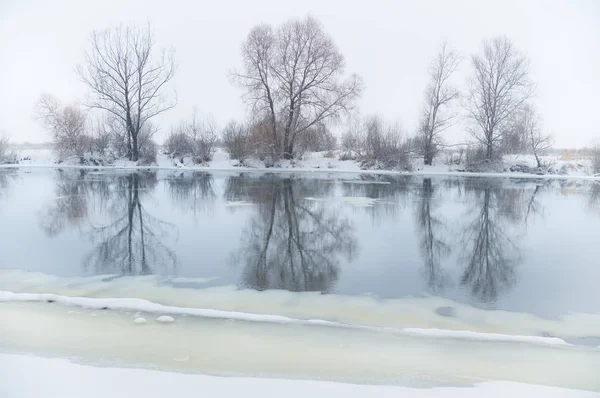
(293, 75)
(67, 125)
(128, 79)
(537, 141)
(438, 97)
(499, 87)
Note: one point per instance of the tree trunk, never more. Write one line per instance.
(134, 148)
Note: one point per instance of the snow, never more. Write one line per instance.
(469, 335)
(318, 162)
(140, 320)
(63, 379)
(136, 304)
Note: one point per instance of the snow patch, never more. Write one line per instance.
(165, 319)
(64, 379)
(140, 320)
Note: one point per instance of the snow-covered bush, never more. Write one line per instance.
(596, 160)
(236, 140)
(6, 154)
(147, 153)
(194, 138)
(178, 144)
(317, 139)
(377, 144)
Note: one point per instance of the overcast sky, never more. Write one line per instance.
(389, 43)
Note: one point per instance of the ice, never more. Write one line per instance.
(134, 304)
(421, 313)
(262, 349)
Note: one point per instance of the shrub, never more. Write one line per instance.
(178, 144)
(236, 140)
(377, 144)
(596, 160)
(194, 138)
(317, 139)
(147, 153)
(6, 155)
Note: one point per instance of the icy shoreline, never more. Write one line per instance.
(62, 378)
(141, 305)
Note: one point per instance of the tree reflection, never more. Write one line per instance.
(391, 193)
(431, 228)
(291, 243)
(70, 208)
(192, 191)
(7, 177)
(490, 252)
(131, 242)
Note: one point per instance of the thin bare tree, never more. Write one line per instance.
(439, 94)
(499, 86)
(66, 124)
(128, 78)
(537, 141)
(294, 76)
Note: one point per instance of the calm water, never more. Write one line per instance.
(519, 245)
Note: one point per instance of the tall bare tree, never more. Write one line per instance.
(439, 94)
(293, 76)
(128, 78)
(499, 86)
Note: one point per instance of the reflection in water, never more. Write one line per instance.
(291, 243)
(70, 208)
(132, 244)
(132, 241)
(469, 229)
(432, 230)
(594, 201)
(192, 191)
(489, 238)
(7, 177)
(391, 192)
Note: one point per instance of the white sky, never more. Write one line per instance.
(388, 43)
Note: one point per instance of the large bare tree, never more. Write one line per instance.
(439, 94)
(128, 78)
(294, 76)
(499, 86)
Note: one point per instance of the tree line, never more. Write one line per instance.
(293, 79)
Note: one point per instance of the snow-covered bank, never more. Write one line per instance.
(230, 347)
(421, 313)
(317, 162)
(61, 378)
(141, 305)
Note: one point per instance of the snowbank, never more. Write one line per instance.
(63, 379)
